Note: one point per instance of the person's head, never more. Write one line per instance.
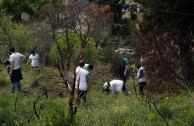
(12, 49)
(33, 52)
(106, 87)
(81, 63)
(90, 67)
(141, 71)
(125, 61)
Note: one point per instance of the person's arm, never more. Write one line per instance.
(11, 67)
(29, 59)
(27, 62)
(125, 70)
(23, 57)
(11, 64)
(88, 80)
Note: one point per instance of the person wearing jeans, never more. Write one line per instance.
(15, 70)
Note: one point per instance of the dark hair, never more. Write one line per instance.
(90, 67)
(81, 63)
(12, 49)
(33, 52)
(107, 88)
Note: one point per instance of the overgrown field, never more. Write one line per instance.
(32, 107)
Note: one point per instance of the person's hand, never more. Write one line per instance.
(10, 74)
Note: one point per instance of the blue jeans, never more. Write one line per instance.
(13, 85)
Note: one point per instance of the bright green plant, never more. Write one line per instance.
(13, 34)
(91, 51)
(73, 41)
(21, 37)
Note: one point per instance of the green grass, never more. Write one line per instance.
(102, 109)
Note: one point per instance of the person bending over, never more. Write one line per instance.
(114, 86)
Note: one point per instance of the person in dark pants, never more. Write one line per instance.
(15, 70)
(141, 79)
(123, 71)
(82, 81)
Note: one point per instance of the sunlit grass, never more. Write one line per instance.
(123, 109)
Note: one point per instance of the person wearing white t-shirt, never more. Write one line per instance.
(88, 67)
(141, 77)
(82, 78)
(15, 71)
(34, 58)
(114, 85)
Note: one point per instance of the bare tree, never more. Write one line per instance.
(52, 12)
(90, 21)
(165, 50)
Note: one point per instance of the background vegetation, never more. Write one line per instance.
(63, 33)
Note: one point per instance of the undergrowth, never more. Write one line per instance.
(102, 109)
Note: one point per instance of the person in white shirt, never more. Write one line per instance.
(141, 79)
(15, 71)
(82, 79)
(34, 58)
(88, 67)
(114, 85)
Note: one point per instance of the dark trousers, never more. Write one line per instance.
(141, 86)
(124, 83)
(81, 95)
(16, 75)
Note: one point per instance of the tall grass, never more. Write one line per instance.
(102, 109)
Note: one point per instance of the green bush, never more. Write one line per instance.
(109, 57)
(102, 109)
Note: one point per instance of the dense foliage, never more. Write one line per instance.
(102, 108)
(63, 33)
(165, 41)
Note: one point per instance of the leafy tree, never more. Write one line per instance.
(13, 34)
(89, 23)
(115, 7)
(165, 11)
(120, 26)
(74, 42)
(16, 7)
(91, 52)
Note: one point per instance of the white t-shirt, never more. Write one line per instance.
(86, 66)
(34, 59)
(81, 77)
(141, 79)
(115, 85)
(138, 71)
(15, 58)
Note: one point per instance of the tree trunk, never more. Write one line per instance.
(81, 53)
(68, 49)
